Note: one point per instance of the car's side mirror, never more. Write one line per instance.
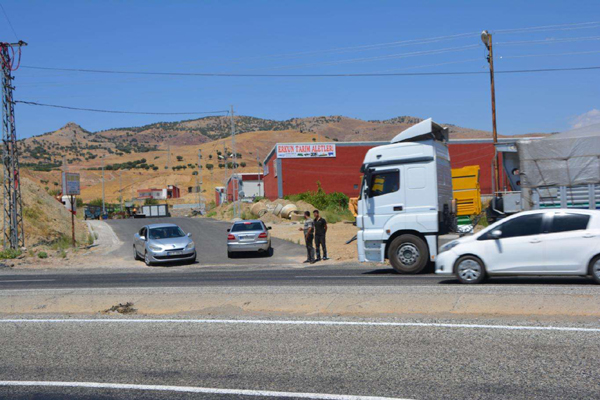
(269, 228)
(143, 238)
(228, 230)
(189, 234)
(496, 234)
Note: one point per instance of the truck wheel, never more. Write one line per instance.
(408, 254)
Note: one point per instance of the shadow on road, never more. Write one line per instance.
(525, 280)
(382, 271)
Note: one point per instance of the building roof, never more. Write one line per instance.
(149, 190)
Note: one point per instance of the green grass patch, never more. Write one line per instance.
(211, 214)
(333, 206)
(62, 243)
(9, 254)
(42, 254)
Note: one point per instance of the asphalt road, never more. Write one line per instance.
(320, 275)
(210, 237)
(417, 362)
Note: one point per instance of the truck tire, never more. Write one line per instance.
(408, 254)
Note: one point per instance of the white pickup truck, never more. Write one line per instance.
(406, 200)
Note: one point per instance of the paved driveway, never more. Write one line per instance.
(210, 237)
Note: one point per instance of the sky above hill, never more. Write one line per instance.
(306, 37)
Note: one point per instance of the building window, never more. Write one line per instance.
(275, 168)
(266, 169)
(356, 186)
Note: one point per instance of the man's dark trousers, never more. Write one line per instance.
(310, 250)
(320, 242)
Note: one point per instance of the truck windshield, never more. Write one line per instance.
(384, 182)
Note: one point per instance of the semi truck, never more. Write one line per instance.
(406, 201)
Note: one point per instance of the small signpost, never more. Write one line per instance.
(71, 188)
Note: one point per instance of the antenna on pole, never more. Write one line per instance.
(14, 236)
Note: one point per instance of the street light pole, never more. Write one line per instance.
(486, 38)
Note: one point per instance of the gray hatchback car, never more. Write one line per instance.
(159, 243)
(250, 235)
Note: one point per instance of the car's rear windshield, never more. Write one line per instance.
(166, 232)
(247, 226)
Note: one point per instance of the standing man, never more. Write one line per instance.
(309, 229)
(320, 231)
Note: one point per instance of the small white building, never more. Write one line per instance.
(245, 186)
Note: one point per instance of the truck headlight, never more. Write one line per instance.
(190, 246)
(155, 248)
(449, 246)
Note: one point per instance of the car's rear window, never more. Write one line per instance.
(247, 226)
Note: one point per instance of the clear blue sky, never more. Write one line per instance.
(258, 36)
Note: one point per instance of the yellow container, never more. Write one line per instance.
(465, 185)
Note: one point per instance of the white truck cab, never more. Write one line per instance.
(406, 200)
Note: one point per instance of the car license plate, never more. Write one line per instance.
(175, 253)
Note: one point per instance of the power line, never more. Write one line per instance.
(32, 103)
(238, 75)
(9, 23)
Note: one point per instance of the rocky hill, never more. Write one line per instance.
(79, 145)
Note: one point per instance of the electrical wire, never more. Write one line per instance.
(349, 75)
(32, 103)
(9, 23)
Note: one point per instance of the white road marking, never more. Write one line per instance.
(193, 389)
(303, 322)
(27, 280)
(367, 276)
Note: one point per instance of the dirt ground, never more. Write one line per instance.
(337, 236)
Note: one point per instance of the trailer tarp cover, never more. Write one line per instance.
(564, 159)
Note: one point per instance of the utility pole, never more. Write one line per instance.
(14, 236)
(486, 38)
(199, 178)
(103, 203)
(259, 172)
(121, 187)
(234, 183)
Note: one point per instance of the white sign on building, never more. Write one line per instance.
(305, 150)
(70, 184)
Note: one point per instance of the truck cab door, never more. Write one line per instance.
(385, 199)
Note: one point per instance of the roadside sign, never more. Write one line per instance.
(305, 150)
(70, 184)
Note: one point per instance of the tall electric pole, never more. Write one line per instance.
(486, 38)
(14, 236)
(199, 178)
(259, 172)
(121, 187)
(234, 183)
(103, 203)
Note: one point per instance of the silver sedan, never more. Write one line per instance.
(159, 243)
(250, 235)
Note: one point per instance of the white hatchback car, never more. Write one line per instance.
(541, 242)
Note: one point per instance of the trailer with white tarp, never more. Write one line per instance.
(558, 171)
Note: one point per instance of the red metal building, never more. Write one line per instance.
(288, 171)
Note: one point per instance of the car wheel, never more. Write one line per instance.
(595, 269)
(229, 254)
(469, 270)
(408, 254)
(147, 259)
(193, 259)
(136, 256)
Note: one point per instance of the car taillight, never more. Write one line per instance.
(263, 235)
(230, 237)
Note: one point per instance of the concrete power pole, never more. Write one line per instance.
(486, 38)
(259, 172)
(103, 202)
(14, 236)
(234, 183)
(121, 187)
(199, 179)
